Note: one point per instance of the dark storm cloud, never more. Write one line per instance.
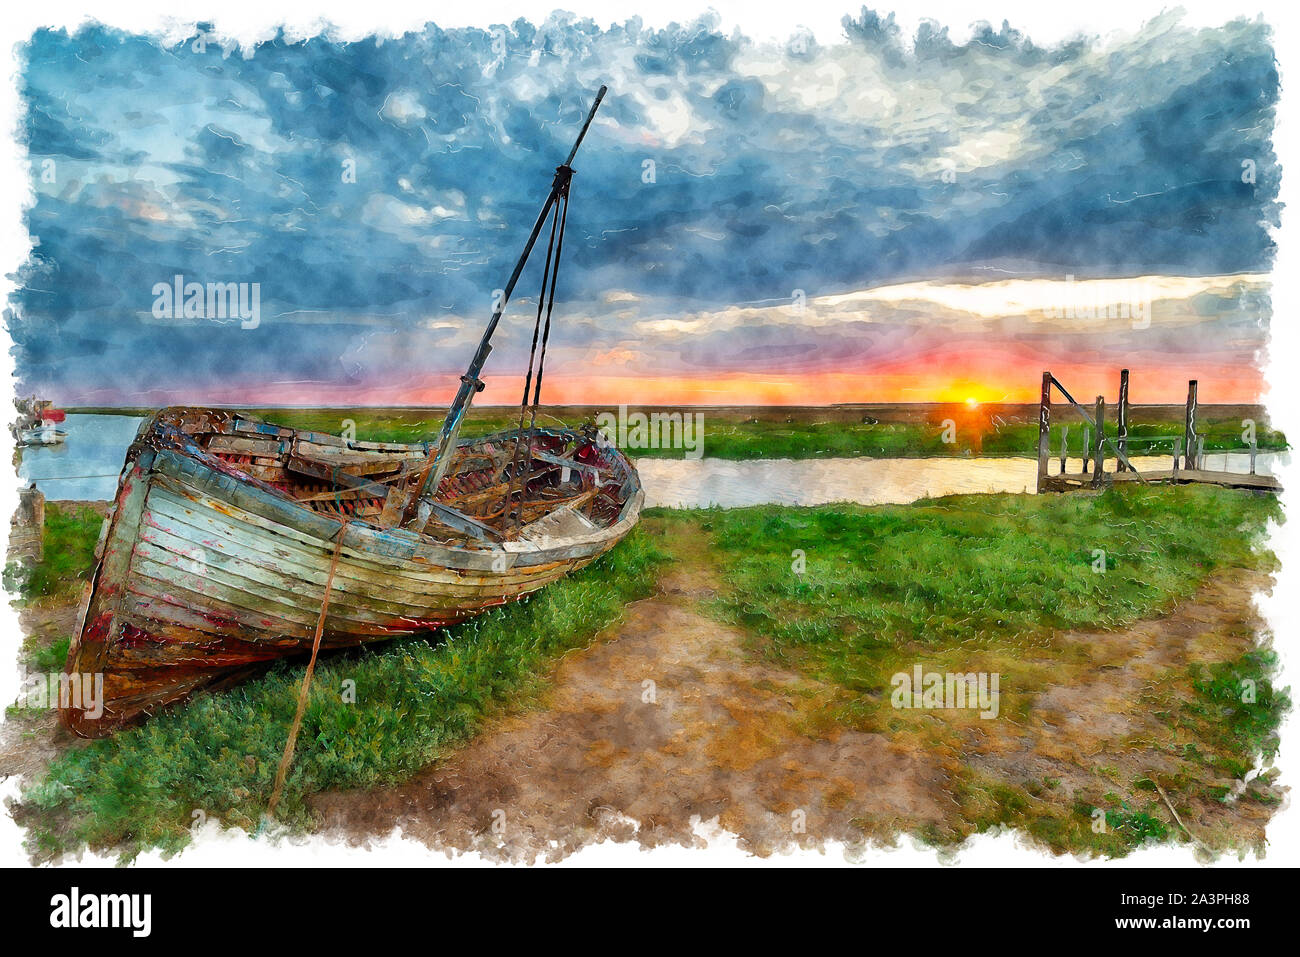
(824, 168)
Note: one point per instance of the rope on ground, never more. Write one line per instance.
(287, 758)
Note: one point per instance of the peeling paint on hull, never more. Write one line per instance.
(206, 569)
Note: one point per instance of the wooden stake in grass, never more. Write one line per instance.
(1099, 452)
(1044, 431)
(1121, 421)
(1189, 427)
(1195, 840)
(287, 758)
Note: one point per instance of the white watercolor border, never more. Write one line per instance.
(250, 20)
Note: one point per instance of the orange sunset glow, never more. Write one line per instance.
(937, 341)
(921, 384)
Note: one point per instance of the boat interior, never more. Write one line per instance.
(535, 485)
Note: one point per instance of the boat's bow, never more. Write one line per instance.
(216, 555)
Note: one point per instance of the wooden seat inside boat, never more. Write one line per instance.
(494, 489)
(491, 491)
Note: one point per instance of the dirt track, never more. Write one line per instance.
(722, 736)
(725, 737)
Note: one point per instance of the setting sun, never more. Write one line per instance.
(972, 402)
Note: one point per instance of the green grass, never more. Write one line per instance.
(1006, 570)
(987, 583)
(737, 436)
(68, 555)
(1151, 438)
(414, 699)
(981, 581)
(723, 438)
(402, 425)
(49, 657)
(1237, 711)
(803, 440)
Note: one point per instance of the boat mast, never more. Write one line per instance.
(470, 383)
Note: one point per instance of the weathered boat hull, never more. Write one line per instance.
(205, 571)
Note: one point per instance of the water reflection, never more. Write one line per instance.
(86, 467)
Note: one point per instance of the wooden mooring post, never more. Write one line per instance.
(1044, 431)
(1099, 449)
(1121, 420)
(1189, 459)
(27, 527)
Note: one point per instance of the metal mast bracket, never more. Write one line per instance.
(563, 175)
(404, 508)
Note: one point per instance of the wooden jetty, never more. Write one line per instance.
(1187, 463)
(1066, 483)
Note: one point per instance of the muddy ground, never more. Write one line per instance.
(27, 743)
(720, 736)
(672, 720)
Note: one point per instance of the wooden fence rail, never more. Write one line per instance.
(1188, 449)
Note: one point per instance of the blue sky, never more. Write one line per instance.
(780, 172)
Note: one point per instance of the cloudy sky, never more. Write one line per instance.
(882, 218)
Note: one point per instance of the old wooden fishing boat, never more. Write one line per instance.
(232, 541)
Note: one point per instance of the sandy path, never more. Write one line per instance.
(1116, 719)
(721, 736)
(717, 736)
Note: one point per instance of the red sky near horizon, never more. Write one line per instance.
(931, 341)
(1224, 385)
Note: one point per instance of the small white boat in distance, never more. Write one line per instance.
(47, 433)
(38, 422)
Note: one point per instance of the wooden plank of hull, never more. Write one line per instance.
(279, 609)
(89, 656)
(204, 574)
(385, 550)
(254, 596)
(294, 575)
(273, 447)
(359, 463)
(227, 495)
(263, 541)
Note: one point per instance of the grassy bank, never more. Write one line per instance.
(413, 699)
(68, 555)
(739, 434)
(974, 570)
(848, 597)
(47, 591)
(989, 584)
